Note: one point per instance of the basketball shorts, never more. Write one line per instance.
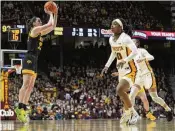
(30, 64)
(141, 90)
(149, 80)
(130, 77)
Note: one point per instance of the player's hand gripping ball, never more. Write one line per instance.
(50, 6)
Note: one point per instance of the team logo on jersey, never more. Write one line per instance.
(41, 39)
(120, 48)
(40, 45)
(29, 62)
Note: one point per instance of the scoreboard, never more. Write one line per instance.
(15, 32)
(14, 35)
(84, 32)
(5, 28)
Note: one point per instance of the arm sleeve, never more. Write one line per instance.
(146, 55)
(111, 59)
(130, 44)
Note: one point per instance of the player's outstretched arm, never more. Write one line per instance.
(46, 27)
(111, 59)
(114, 74)
(54, 23)
(39, 29)
(55, 17)
(109, 62)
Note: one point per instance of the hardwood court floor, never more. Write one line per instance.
(88, 125)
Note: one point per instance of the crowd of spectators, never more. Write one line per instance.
(82, 94)
(13, 12)
(89, 14)
(100, 14)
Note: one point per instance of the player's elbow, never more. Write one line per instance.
(52, 27)
(152, 58)
(135, 52)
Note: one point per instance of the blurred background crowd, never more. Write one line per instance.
(80, 93)
(93, 14)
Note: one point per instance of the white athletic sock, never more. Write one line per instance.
(132, 95)
(167, 108)
(131, 109)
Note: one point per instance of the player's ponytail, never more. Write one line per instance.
(30, 22)
(126, 27)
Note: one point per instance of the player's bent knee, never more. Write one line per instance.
(136, 86)
(122, 86)
(132, 97)
(119, 89)
(155, 99)
(31, 88)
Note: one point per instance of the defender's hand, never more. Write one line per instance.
(121, 63)
(105, 69)
(114, 74)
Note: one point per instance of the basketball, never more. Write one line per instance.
(50, 6)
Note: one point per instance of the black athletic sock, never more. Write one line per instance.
(20, 105)
(25, 107)
(169, 115)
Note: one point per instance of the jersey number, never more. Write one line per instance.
(119, 56)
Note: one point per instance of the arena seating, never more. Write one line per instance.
(82, 94)
(84, 14)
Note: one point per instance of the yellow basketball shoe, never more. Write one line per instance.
(21, 114)
(150, 116)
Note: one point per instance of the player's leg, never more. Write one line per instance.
(20, 109)
(26, 83)
(157, 99)
(133, 93)
(27, 96)
(30, 66)
(152, 88)
(28, 72)
(122, 89)
(29, 90)
(144, 99)
(160, 101)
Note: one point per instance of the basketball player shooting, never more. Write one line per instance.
(29, 70)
